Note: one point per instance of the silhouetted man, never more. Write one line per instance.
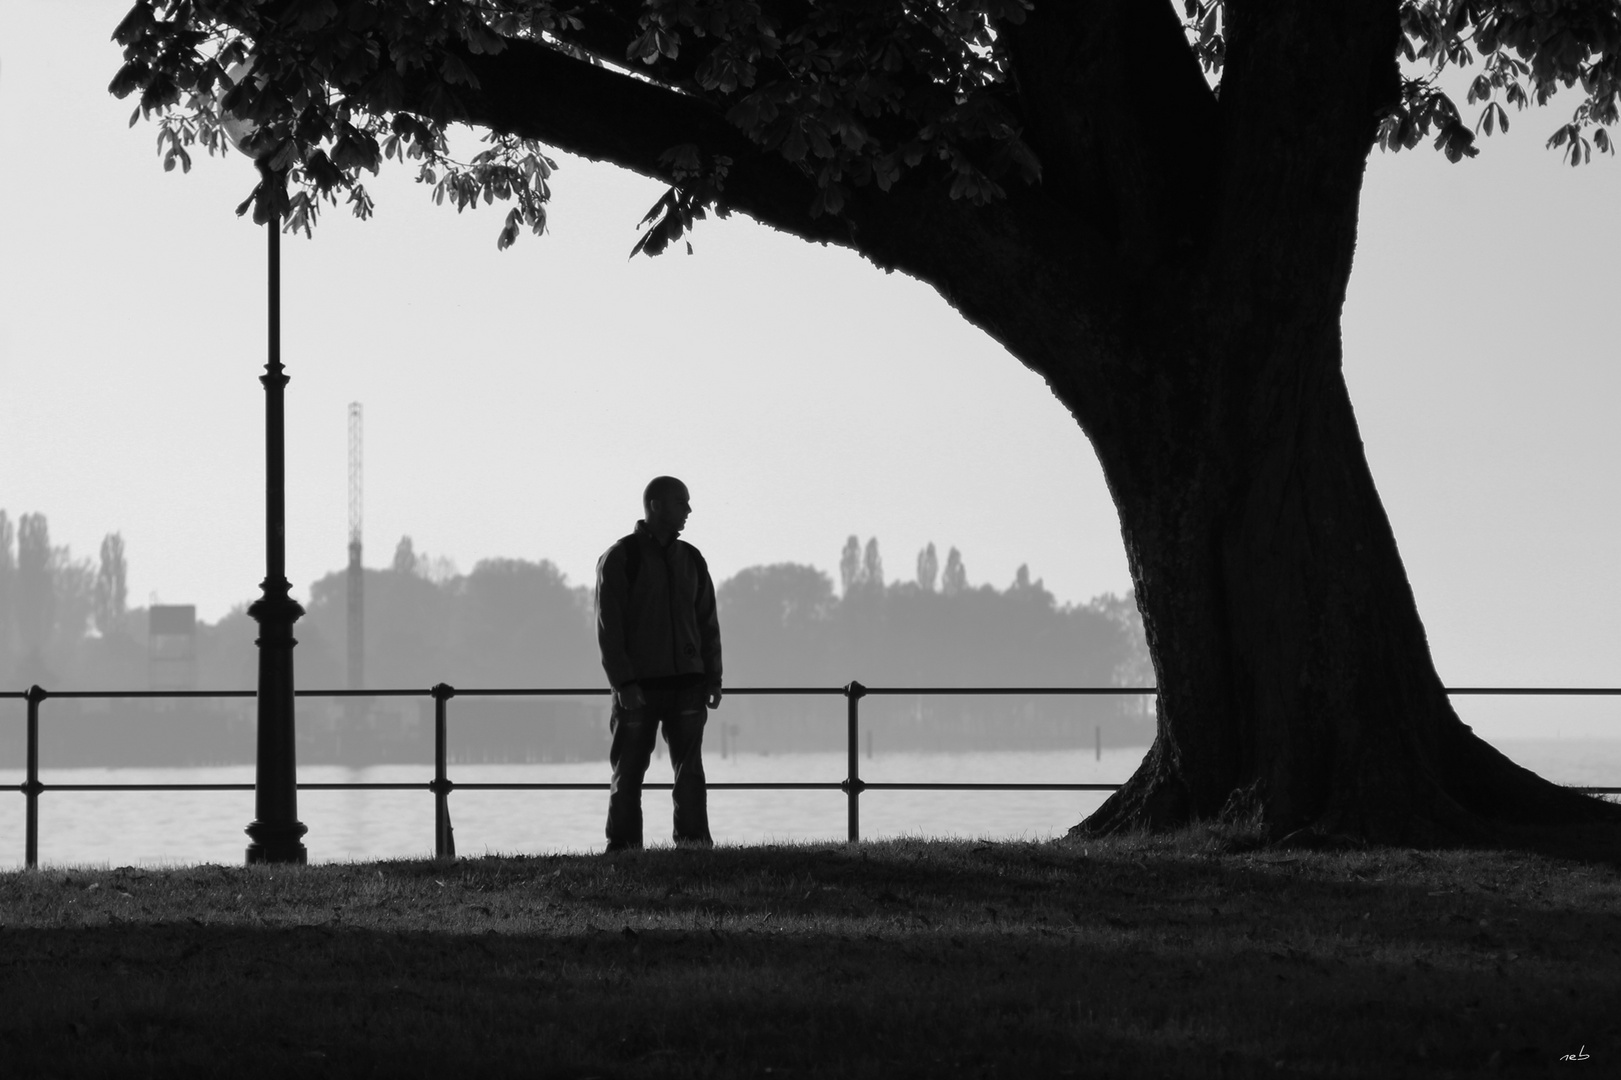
(660, 644)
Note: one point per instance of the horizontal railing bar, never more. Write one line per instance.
(595, 786)
(603, 786)
(981, 690)
(601, 691)
(420, 785)
(145, 787)
(396, 692)
(868, 785)
(115, 694)
(597, 691)
(149, 694)
(829, 690)
(795, 690)
(826, 690)
(1537, 691)
(533, 691)
(834, 785)
(772, 785)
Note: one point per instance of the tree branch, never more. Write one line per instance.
(534, 91)
(1302, 94)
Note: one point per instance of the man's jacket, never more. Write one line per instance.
(656, 611)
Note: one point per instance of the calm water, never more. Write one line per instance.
(155, 828)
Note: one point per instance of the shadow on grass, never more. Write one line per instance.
(899, 959)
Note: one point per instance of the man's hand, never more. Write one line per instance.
(714, 697)
(631, 697)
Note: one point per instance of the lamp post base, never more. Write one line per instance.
(276, 830)
(277, 844)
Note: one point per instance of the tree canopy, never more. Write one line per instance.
(839, 95)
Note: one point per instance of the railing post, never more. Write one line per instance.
(444, 837)
(853, 693)
(31, 786)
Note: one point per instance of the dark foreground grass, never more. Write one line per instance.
(1158, 957)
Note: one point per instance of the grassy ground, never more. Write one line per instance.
(1162, 957)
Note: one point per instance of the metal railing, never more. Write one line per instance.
(441, 785)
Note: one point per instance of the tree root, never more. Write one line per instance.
(1479, 798)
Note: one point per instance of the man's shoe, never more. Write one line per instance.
(620, 845)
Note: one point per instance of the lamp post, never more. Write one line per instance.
(276, 832)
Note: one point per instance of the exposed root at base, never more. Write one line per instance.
(1492, 803)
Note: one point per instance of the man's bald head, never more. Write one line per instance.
(663, 488)
(666, 504)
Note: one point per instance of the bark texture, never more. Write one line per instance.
(1177, 278)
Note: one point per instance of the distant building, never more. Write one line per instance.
(171, 647)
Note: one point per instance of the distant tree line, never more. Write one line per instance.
(784, 625)
(512, 623)
(52, 604)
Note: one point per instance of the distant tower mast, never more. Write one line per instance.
(357, 596)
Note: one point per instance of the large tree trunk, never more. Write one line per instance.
(1297, 685)
(1177, 277)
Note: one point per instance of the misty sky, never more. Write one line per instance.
(516, 402)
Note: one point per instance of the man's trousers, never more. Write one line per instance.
(682, 714)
